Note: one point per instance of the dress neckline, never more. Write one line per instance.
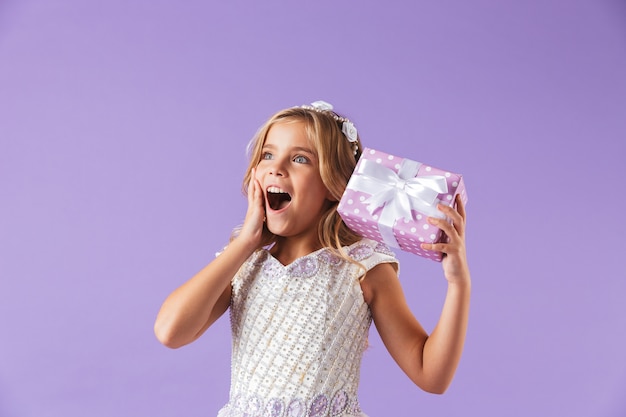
(314, 254)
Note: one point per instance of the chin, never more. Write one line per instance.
(277, 231)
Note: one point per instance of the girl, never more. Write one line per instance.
(303, 288)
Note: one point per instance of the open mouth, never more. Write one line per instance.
(277, 198)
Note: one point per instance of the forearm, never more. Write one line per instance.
(196, 304)
(443, 348)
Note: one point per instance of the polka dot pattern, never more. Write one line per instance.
(408, 232)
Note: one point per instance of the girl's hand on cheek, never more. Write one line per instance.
(253, 224)
(455, 260)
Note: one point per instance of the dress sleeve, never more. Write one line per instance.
(370, 253)
(249, 269)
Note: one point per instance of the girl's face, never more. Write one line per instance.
(288, 172)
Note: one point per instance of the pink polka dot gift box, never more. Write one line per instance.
(389, 198)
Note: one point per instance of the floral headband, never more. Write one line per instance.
(347, 127)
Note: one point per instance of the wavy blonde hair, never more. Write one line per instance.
(337, 158)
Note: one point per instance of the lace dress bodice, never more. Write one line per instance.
(299, 332)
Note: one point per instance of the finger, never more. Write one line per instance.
(259, 194)
(445, 226)
(254, 189)
(450, 212)
(460, 206)
(459, 224)
(437, 247)
(251, 185)
(457, 219)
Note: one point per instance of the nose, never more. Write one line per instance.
(276, 168)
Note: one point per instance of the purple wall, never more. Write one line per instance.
(123, 126)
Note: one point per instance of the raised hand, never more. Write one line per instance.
(252, 228)
(455, 259)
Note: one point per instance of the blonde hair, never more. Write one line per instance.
(337, 158)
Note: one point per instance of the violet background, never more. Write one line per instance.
(123, 126)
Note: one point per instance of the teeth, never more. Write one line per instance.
(275, 190)
(277, 198)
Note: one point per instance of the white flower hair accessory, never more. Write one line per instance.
(349, 130)
(321, 105)
(347, 127)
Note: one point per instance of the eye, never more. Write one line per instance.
(301, 159)
(267, 155)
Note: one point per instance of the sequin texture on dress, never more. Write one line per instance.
(299, 332)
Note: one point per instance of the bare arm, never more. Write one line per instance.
(188, 311)
(430, 361)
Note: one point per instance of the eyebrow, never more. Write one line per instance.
(295, 148)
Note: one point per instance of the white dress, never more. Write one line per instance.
(299, 332)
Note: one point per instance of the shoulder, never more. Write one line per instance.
(249, 269)
(370, 253)
(380, 263)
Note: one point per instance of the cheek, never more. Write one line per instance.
(258, 172)
(321, 190)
